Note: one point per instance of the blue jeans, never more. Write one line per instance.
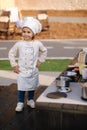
(21, 95)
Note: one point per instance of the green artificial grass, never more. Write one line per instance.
(5, 65)
(54, 65)
(48, 65)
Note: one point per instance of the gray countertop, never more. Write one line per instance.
(73, 98)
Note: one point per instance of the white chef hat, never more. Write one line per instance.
(33, 24)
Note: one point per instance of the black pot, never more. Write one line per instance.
(67, 83)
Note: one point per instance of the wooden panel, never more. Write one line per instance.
(5, 13)
(58, 120)
(4, 26)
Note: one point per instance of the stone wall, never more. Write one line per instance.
(45, 4)
(6, 3)
(52, 4)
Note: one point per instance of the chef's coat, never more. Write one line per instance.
(28, 53)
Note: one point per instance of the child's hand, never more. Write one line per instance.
(38, 63)
(16, 69)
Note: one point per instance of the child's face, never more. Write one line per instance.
(27, 34)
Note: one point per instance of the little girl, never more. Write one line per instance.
(31, 53)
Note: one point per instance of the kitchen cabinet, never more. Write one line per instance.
(63, 113)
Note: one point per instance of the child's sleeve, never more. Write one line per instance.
(43, 52)
(12, 55)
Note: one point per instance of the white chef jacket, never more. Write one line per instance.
(28, 54)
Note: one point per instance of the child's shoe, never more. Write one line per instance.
(19, 107)
(31, 103)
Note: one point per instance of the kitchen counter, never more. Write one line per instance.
(72, 101)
